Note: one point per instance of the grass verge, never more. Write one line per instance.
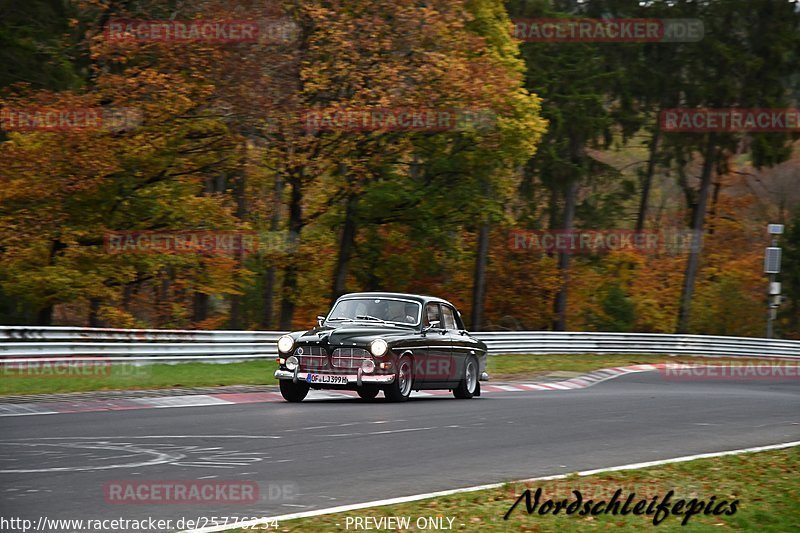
(45, 379)
(511, 367)
(765, 485)
(94, 376)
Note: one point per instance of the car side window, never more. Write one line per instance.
(432, 313)
(449, 317)
(460, 322)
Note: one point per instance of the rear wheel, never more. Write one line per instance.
(293, 392)
(400, 389)
(468, 386)
(368, 392)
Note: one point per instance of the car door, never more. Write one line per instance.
(435, 367)
(464, 344)
(459, 348)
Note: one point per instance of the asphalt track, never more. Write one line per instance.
(325, 453)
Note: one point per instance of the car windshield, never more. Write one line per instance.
(376, 310)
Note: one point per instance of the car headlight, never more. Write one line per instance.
(368, 366)
(291, 363)
(285, 344)
(378, 347)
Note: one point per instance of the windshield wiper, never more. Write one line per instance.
(369, 317)
(341, 318)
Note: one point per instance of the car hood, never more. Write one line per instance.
(350, 335)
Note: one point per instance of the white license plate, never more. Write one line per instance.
(324, 378)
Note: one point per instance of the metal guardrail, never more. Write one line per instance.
(31, 343)
(557, 342)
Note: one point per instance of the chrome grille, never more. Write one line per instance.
(350, 358)
(312, 357)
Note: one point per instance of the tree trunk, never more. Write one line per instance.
(346, 242)
(239, 189)
(235, 317)
(127, 295)
(553, 208)
(288, 292)
(268, 293)
(45, 314)
(712, 212)
(200, 301)
(698, 220)
(290, 276)
(647, 182)
(199, 307)
(94, 307)
(560, 308)
(479, 289)
(268, 298)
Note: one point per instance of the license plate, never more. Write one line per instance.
(324, 378)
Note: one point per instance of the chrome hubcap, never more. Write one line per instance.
(472, 376)
(404, 378)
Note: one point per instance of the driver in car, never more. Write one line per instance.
(401, 312)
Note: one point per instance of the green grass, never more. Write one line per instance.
(38, 380)
(503, 367)
(765, 484)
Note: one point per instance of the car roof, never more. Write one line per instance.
(417, 297)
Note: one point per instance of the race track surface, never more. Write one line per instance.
(324, 453)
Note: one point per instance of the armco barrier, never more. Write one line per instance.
(26, 343)
(29, 343)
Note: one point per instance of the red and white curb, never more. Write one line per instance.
(204, 400)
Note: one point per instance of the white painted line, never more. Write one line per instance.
(605, 372)
(507, 388)
(557, 386)
(636, 466)
(32, 414)
(197, 400)
(597, 377)
(388, 431)
(428, 495)
(579, 383)
(24, 409)
(531, 386)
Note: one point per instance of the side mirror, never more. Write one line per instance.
(432, 325)
(320, 320)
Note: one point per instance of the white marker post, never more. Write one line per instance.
(772, 267)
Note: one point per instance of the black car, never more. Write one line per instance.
(379, 341)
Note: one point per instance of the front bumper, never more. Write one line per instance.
(352, 379)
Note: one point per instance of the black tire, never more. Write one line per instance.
(368, 392)
(400, 389)
(293, 392)
(468, 385)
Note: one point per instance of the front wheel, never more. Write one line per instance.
(293, 392)
(400, 389)
(468, 386)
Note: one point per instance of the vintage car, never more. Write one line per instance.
(378, 341)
